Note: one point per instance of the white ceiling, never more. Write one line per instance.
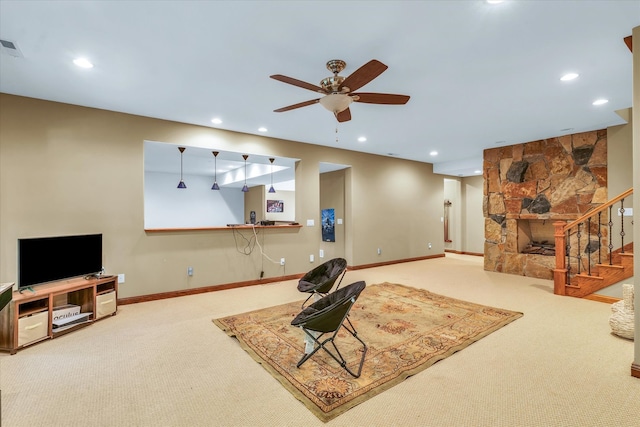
(479, 75)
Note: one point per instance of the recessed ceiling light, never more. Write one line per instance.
(600, 101)
(433, 153)
(569, 76)
(216, 121)
(262, 129)
(477, 171)
(83, 63)
(362, 139)
(501, 142)
(494, 1)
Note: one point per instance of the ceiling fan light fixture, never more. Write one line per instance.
(340, 92)
(336, 102)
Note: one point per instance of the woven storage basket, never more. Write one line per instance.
(621, 321)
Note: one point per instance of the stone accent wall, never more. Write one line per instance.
(553, 179)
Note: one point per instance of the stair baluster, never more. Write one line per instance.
(584, 280)
(568, 251)
(578, 253)
(599, 237)
(610, 236)
(621, 211)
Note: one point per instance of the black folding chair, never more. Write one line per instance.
(322, 278)
(328, 315)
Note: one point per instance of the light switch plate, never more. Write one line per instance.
(310, 223)
(339, 221)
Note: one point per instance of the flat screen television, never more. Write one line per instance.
(47, 259)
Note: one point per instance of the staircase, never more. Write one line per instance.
(591, 253)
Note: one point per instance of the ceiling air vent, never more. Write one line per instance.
(10, 48)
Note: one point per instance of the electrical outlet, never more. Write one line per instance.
(321, 253)
(379, 251)
(311, 258)
(429, 245)
(281, 261)
(120, 278)
(189, 271)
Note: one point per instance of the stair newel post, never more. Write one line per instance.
(578, 253)
(599, 236)
(560, 275)
(568, 252)
(622, 226)
(610, 236)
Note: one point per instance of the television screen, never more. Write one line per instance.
(46, 259)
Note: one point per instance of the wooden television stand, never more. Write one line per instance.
(29, 317)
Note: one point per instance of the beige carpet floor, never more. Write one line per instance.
(164, 363)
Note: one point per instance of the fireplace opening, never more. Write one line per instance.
(536, 236)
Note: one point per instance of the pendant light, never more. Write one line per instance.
(245, 188)
(215, 172)
(272, 190)
(181, 184)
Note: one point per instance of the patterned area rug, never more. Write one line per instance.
(406, 330)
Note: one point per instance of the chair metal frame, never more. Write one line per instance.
(324, 287)
(311, 320)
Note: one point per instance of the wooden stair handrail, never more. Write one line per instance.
(560, 232)
(599, 209)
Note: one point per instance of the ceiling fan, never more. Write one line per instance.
(339, 91)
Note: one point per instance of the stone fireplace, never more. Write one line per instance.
(530, 186)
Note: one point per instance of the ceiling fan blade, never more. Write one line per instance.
(344, 115)
(296, 82)
(294, 106)
(380, 98)
(364, 75)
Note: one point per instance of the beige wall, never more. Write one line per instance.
(473, 217)
(453, 193)
(467, 218)
(254, 200)
(619, 150)
(620, 171)
(69, 170)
